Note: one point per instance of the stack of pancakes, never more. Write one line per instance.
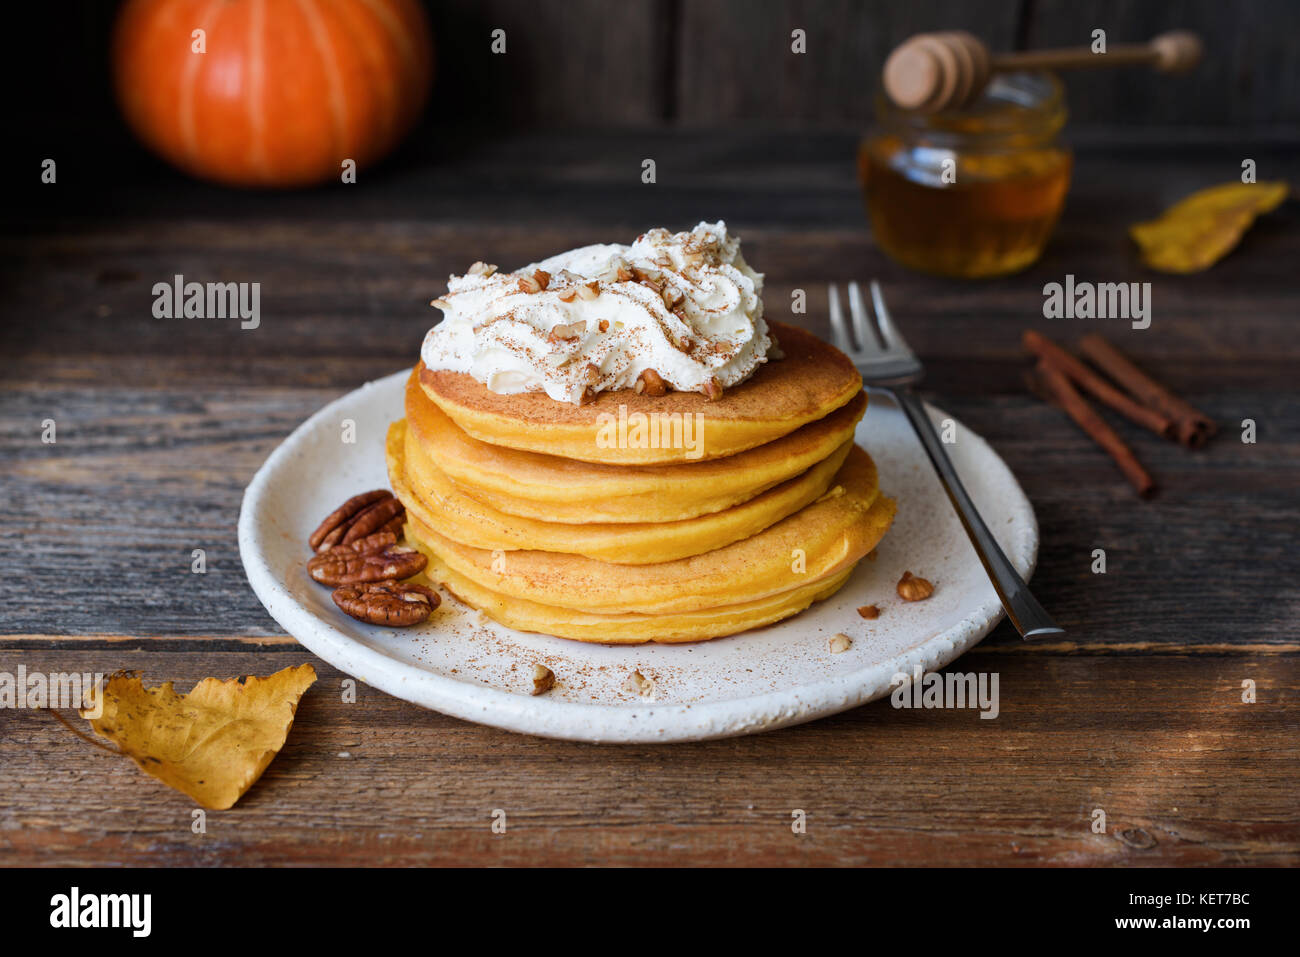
(635, 518)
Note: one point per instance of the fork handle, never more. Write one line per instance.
(1022, 608)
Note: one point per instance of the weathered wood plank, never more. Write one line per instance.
(579, 62)
(1185, 772)
(162, 423)
(582, 64)
(1248, 79)
(736, 65)
(165, 420)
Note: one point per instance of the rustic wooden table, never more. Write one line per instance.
(161, 423)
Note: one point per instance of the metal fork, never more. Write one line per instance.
(888, 365)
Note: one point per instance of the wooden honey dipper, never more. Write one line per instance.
(941, 71)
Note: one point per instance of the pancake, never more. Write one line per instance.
(554, 489)
(816, 542)
(811, 381)
(439, 504)
(635, 629)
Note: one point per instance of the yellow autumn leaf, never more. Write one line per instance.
(1197, 231)
(212, 743)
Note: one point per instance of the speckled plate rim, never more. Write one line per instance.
(599, 723)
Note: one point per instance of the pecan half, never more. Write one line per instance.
(394, 525)
(374, 518)
(390, 603)
(343, 565)
(363, 546)
(345, 513)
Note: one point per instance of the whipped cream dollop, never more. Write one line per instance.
(673, 310)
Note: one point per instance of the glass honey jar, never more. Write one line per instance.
(973, 192)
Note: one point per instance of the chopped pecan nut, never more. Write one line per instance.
(338, 519)
(649, 279)
(567, 332)
(603, 325)
(869, 611)
(651, 383)
(911, 588)
(529, 284)
(390, 603)
(589, 378)
(673, 297)
(568, 295)
(543, 679)
(713, 389)
(344, 565)
(838, 644)
(640, 685)
(589, 290)
(482, 269)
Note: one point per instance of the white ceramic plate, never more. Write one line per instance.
(465, 665)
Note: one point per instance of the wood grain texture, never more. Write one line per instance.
(583, 64)
(162, 423)
(736, 65)
(1248, 79)
(1184, 771)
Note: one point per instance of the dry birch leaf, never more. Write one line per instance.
(1198, 231)
(212, 743)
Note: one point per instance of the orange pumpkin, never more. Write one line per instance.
(284, 91)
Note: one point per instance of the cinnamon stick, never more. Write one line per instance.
(1192, 427)
(1077, 408)
(1147, 416)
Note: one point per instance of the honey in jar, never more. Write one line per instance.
(969, 193)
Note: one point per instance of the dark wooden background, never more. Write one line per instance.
(716, 63)
(161, 424)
